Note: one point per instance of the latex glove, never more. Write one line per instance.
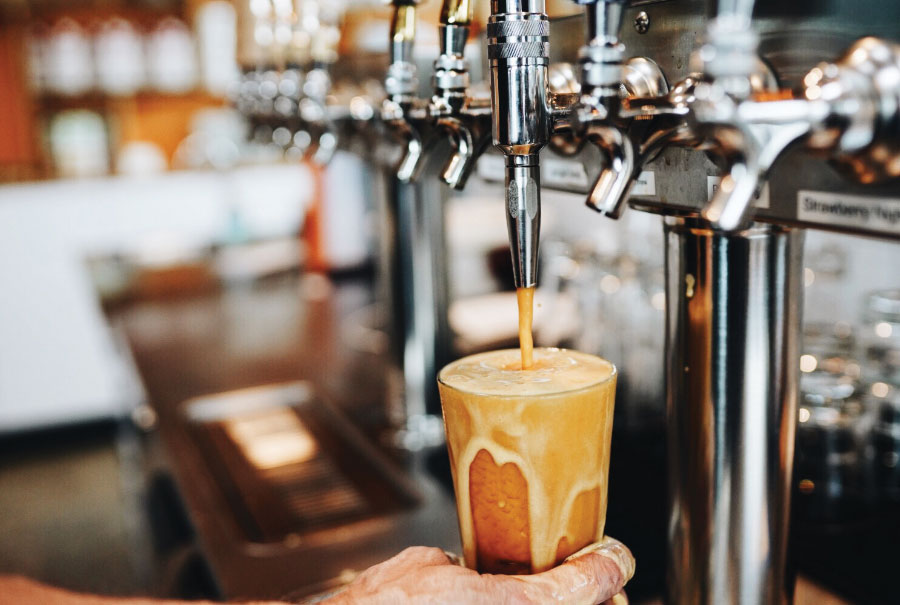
(424, 575)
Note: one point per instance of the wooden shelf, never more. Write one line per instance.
(98, 101)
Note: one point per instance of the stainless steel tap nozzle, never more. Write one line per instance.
(519, 50)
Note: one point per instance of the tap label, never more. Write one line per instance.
(645, 184)
(564, 174)
(760, 201)
(857, 211)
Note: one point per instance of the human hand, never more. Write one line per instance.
(424, 575)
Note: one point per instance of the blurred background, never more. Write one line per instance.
(162, 240)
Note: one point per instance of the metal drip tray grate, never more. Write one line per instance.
(290, 464)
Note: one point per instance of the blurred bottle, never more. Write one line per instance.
(171, 57)
(336, 232)
(79, 144)
(37, 58)
(119, 58)
(215, 24)
(68, 64)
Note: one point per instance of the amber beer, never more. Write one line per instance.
(529, 451)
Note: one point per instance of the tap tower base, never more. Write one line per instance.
(733, 312)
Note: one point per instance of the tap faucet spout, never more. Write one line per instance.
(611, 188)
(470, 135)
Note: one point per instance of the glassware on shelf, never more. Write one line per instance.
(620, 305)
(215, 24)
(825, 278)
(880, 337)
(833, 473)
(880, 347)
(885, 400)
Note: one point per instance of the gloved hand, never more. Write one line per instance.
(423, 575)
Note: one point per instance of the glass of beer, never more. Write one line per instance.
(529, 452)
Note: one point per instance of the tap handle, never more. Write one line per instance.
(451, 70)
(401, 80)
(602, 55)
(456, 17)
(739, 9)
(457, 12)
(523, 217)
(403, 30)
(604, 20)
(728, 54)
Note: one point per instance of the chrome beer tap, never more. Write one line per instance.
(629, 130)
(630, 113)
(464, 118)
(414, 250)
(848, 110)
(403, 112)
(627, 109)
(728, 55)
(317, 31)
(450, 112)
(596, 117)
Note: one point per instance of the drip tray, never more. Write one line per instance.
(290, 464)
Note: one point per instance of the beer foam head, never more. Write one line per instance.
(500, 372)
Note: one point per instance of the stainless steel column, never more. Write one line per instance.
(419, 300)
(733, 312)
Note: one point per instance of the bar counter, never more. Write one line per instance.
(275, 331)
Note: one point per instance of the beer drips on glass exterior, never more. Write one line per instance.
(529, 452)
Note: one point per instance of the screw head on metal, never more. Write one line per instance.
(642, 22)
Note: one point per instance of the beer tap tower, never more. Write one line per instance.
(741, 165)
(733, 270)
(286, 79)
(417, 260)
